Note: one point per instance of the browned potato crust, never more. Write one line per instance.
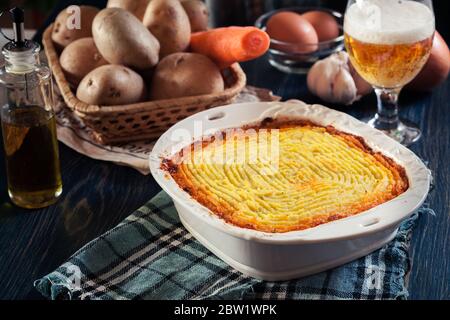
(168, 21)
(62, 35)
(185, 74)
(79, 58)
(122, 39)
(112, 85)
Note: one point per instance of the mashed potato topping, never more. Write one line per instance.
(310, 176)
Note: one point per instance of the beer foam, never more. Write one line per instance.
(389, 21)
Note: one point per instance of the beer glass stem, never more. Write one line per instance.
(387, 114)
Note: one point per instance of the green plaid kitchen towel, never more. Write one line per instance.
(151, 256)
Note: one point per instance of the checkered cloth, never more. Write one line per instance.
(151, 256)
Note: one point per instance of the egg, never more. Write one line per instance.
(292, 28)
(324, 23)
(436, 69)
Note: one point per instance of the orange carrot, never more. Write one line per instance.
(231, 44)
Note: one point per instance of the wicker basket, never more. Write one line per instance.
(146, 120)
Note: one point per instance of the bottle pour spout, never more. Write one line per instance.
(21, 55)
(17, 15)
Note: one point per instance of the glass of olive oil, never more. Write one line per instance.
(28, 125)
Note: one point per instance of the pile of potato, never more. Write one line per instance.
(135, 51)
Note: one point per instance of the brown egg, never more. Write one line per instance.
(436, 69)
(324, 23)
(291, 28)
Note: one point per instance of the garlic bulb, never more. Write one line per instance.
(333, 80)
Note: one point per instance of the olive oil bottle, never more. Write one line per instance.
(28, 123)
(31, 151)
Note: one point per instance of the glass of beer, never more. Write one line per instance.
(389, 42)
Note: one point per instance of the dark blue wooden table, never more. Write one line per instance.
(98, 195)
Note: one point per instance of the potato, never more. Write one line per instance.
(112, 85)
(197, 13)
(62, 33)
(168, 21)
(79, 58)
(136, 7)
(185, 74)
(122, 39)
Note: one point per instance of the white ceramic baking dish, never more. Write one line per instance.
(283, 256)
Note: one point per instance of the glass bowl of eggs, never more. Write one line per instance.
(299, 36)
